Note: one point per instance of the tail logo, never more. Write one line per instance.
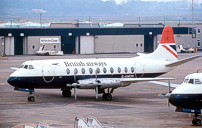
(171, 49)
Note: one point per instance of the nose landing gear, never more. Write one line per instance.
(30, 97)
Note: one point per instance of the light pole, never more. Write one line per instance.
(40, 19)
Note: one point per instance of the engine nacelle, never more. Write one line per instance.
(102, 83)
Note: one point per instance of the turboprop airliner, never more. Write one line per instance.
(187, 97)
(99, 74)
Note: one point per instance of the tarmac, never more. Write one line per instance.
(137, 105)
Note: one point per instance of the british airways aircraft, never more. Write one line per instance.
(187, 97)
(103, 75)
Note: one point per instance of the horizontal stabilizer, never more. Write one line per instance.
(179, 62)
(14, 68)
(164, 83)
(140, 54)
(134, 80)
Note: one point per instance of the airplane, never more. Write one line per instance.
(99, 74)
(187, 97)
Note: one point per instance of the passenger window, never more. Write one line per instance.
(104, 70)
(119, 69)
(83, 71)
(75, 71)
(111, 70)
(90, 70)
(132, 69)
(98, 70)
(31, 67)
(68, 71)
(191, 81)
(126, 70)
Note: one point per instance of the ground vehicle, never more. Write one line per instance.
(42, 51)
(181, 49)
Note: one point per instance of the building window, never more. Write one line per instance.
(75, 71)
(126, 70)
(98, 70)
(33, 47)
(198, 43)
(54, 46)
(83, 71)
(111, 70)
(104, 70)
(119, 69)
(132, 69)
(68, 71)
(199, 31)
(141, 45)
(90, 70)
(137, 45)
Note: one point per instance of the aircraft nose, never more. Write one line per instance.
(10, 80)
(172, 99)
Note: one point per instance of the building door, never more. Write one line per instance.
(68, 44)
(18, 45)
(148, 43)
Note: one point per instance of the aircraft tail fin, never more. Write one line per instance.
(166, 50)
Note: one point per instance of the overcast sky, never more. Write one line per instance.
(124, 1)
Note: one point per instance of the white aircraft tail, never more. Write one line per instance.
(166, 50)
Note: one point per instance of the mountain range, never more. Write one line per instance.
(96, 8)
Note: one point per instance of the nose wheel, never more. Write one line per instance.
(30, 97)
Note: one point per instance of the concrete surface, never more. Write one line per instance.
(134, 106)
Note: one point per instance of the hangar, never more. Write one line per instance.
(80, 40)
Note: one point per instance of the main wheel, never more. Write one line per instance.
(66, 93)
(108, 97)
(31, 98)
(104, 95)
(198, 122)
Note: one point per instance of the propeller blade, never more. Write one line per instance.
(96, 90)
(75, 94)
(96, 75)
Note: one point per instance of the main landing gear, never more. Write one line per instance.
(66, 93)
(30, 97)
(195, 121)
(107, 96)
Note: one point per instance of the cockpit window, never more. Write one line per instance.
(197, 81)
(31, 67)
(26, 66)
(186, 80)
(22, 66)
(191, 81)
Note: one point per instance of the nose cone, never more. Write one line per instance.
(10, 80)
(172, 99)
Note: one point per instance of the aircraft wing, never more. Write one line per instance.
(179, 62)
(164, 83)
(134, 80)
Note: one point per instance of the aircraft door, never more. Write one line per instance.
(139, 70)
(48, 73)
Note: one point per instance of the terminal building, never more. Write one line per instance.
(89, 38)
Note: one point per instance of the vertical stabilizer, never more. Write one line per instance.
(166, 50)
